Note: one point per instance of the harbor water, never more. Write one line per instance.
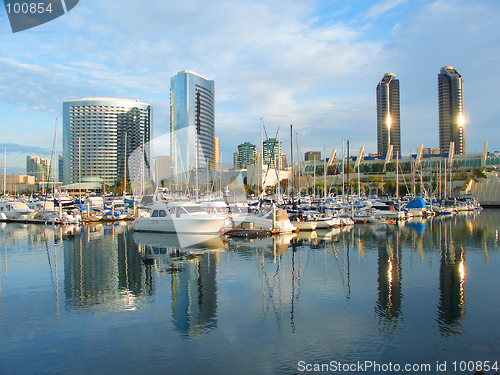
(103, 299)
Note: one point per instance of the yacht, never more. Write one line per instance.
(178, 217)
(14, 210)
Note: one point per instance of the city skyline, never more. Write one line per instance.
(312, 65)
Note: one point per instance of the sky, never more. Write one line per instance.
(313, 64)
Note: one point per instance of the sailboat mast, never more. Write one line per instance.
(79, 173)
(298, 158)
(291, 163)
(343, 171)
(125, 168)
(4, 168)
(397, 176)
(54, 154)
(324, 173)
(348, 165)
(261, 172)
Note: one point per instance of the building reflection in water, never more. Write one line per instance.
(194, 295)
(388, 306)
(104, 271)
(451, 307)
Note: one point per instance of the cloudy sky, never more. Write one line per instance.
(311, 63)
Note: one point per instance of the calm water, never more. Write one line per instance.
(106, 300)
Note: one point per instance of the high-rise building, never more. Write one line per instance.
(104, 136)
(60, 169)
(388, 115)
(312, 155)
(192, 122)
(38, 168)
(246, 155)
(451, 110)
(272, 153)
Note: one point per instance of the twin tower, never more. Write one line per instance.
(451, 113)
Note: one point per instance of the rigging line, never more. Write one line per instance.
(369, 186)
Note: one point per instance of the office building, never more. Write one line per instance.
(246, 155)
(192, 123)
(388, 115)
(103, 137)
(451, 110)
(60, 169)
(272, 153)
(312, 155)
(38, 168)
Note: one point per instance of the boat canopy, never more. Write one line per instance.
(416, 203)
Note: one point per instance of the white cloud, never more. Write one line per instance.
(383, 7)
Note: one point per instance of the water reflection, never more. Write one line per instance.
(451, 308)
(194, 295)
(389, 279)
(104, 271)
(110, 268)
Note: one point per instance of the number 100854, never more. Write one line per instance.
(29, 8)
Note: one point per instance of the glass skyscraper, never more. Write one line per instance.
(246, 155)
(192, 123)
(388, 117)
(451, 110)
(272, 153)
(100, 135)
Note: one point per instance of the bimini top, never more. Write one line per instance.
(416, 203)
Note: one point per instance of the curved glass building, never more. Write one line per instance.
(451, 110)
(100, 135)
(192, 123)
(388, 115)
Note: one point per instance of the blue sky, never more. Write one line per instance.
(313, 64)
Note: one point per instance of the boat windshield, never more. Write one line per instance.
(192, 209)
(158, 213)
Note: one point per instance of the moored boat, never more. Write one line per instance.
(14, 210)
(178, 217)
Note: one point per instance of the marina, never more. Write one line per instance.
(102, 298)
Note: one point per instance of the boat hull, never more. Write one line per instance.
(202, 225)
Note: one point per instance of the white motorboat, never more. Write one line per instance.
(263, 219)
(179, 217)
(305, 225)
(14, 210)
